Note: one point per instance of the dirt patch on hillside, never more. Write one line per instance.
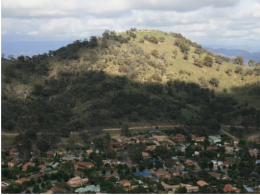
(255, 137)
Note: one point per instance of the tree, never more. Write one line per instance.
(93, 41)
(208, 61)
(214, 81)
(84, 136)
(141, 167)
(125, 129)
(24, 146)
(133, 169)
(42, 145)
(101, 143)
(31, 134)
(239, 60)
(36, 189)
(251, 63)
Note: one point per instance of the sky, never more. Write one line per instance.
(29, 27)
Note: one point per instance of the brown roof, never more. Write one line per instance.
(229, 188)
(227, 163)
(202, 183)
(28, 164)
(235, 139)
(162, 173)
(84, 164)
(111, 175)
(49, 152)
(125, 181)
(35, 176)
(214, 174)
(21, 180)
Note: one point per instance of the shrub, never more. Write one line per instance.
(208, 61)
(155, 53)
(229, 72)
(214, 81)
(141, 40)
(239, 69)
(185, 57)
(153, 40)
(157, 78)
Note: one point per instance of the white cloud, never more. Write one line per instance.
(201, 20)
(33, 33)
(3, 32)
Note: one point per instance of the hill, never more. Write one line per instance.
(135, 78)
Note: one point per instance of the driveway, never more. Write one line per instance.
(125, 158)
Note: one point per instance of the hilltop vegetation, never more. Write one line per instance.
(136, 77)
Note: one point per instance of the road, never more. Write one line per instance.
(126, 160)
(230, 135)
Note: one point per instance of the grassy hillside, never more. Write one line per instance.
(114, 80)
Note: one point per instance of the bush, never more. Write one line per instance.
(153, 40)
(214, 81)
(208, 61)
(239, 69)
(141, 40)
(155, 53)
(157, 78)
(229, 72)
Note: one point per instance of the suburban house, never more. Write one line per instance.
(162, 174)
(210, 148)
(227, 164)
(90, 188)
(253, 152)
(197, 139)
(21, 180)
(179, 137)
(111, 175)
(151, 148)
(160, 138)
(180, 148)
(11, 148)
(50, 154)
(36, 176)
(88, 152)
(235, 141)
(190, 188)
(125, 183)
(26, 165)
(229, 188)
(198, 147)
(143, 174)
(202, 183)
(77, 181)
(117, 144)
(214, 174)
(48, 171)
(229, 149)
(13, 163)
(145, 155)
(214, 139)
(217, 163)
(83, 165)
(145, 140)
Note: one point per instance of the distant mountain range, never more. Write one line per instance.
(236, 52)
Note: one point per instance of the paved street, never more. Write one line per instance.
(125, 155)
